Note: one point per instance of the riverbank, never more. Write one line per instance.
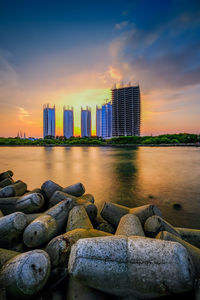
(166, 140)
(106, 145)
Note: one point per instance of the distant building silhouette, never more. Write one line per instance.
(68, 121)
(86, 122)
(98, 121)
(126, 111)
(49, 120)
(106, 120)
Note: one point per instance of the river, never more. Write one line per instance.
(159, 175)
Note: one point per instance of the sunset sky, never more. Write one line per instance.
(72, 52)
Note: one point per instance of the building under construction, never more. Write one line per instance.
(126, 111)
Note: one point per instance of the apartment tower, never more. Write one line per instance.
(68, 121)
(107, 120)
(49, 120)
(86, 122)
(126, 111)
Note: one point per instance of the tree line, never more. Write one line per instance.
(167, 139)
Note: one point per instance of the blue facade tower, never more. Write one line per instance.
(49, 120)
(86, 122)
(68, 122)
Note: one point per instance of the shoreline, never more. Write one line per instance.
(109, 145)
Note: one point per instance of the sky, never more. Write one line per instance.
(73, 52)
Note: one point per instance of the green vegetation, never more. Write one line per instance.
(167, 139)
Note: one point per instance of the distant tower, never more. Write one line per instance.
(126, 111)
(98, 121)
(68, 122)
(107, 120)
(49, 120)
(86, 122)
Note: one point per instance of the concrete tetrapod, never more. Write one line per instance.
(59, 196)
(130, 225)
(100, 224)
(155, 224)
(6, 181)
(18, 188)
(90, 207)
(11, 228)
(193, 251)
(189, 235)
(59, 247)
(76, 189)
(29, 203)
(78, 218)
(140, 267)
(112, 212)
(25, 274)
(48, 225)
(49, 188)
(6, 174)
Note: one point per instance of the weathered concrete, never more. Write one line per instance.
(135, 266)
(18, 188)
(191, 236)
(48, 225)
(5, 255)
(11, 228)
(6, 174)
(76, 189)
(112, 212)
(78, 291)
(49, 187)
(78, 218)
(29, 203)
(130, 225)
(25, 274)
(155, 224)
(193, 251)
(59, 247)
(6, 181)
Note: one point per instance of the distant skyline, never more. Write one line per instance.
(66, 53)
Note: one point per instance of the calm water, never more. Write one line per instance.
(133, 177)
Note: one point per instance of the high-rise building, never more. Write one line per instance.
(49, 120)
(68, 121)
(126, 111)
(106, 120)
(98, 121)
(86, 122)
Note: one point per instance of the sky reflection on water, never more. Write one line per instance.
(133, 177)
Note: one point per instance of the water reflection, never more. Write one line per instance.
(133, 177)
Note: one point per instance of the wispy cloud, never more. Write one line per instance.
(121, 25)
